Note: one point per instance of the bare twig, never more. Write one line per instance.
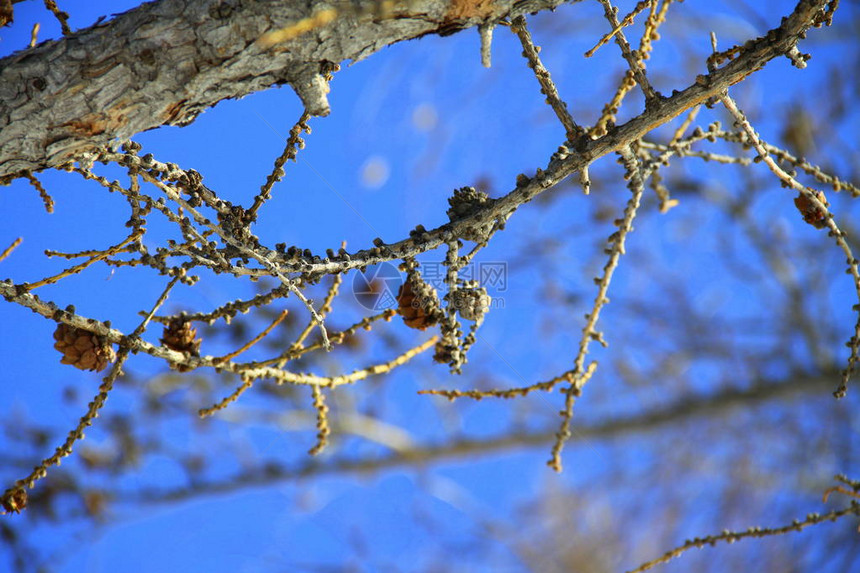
(95, 256)
(34, 34)
(531, 52)
(46, 198)
(635, 61)
(323, 428)
(254, 340)
(226, 401)
(752, 532)
(628, 19)
(291, 149)
(8, 250)
(61, 16)
(581, 374)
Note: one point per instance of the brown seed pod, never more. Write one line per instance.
(812, 214)
(83, 349)
(418, 303)
(180, 336)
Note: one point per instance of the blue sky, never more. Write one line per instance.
(409, 125)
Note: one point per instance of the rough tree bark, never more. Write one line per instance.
(165, 62)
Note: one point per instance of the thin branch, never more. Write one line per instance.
(291, 149)
(61, 16)
(226, 401)
(506, 393)
(357, 375)
(298, 28)
(752, 532)
(46, 198)
(531, 52)
(628, 20)
(336, 338)
(255, 340)
(118, 248)
(646, 43)
(581, 374)
(379, 10)
(323, 428)
(324, 310)
(34, 35)
(635, 61)
(8, 250)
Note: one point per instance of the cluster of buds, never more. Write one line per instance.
(448, 351)
(235, 221)
(466, 201)
(471, 302)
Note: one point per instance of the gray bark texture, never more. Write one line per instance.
(165, 62)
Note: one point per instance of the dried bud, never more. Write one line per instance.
(467, 201)
(471, 303)
(447, 352)
(14, 500)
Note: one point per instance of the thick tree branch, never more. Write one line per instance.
(165, 62)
